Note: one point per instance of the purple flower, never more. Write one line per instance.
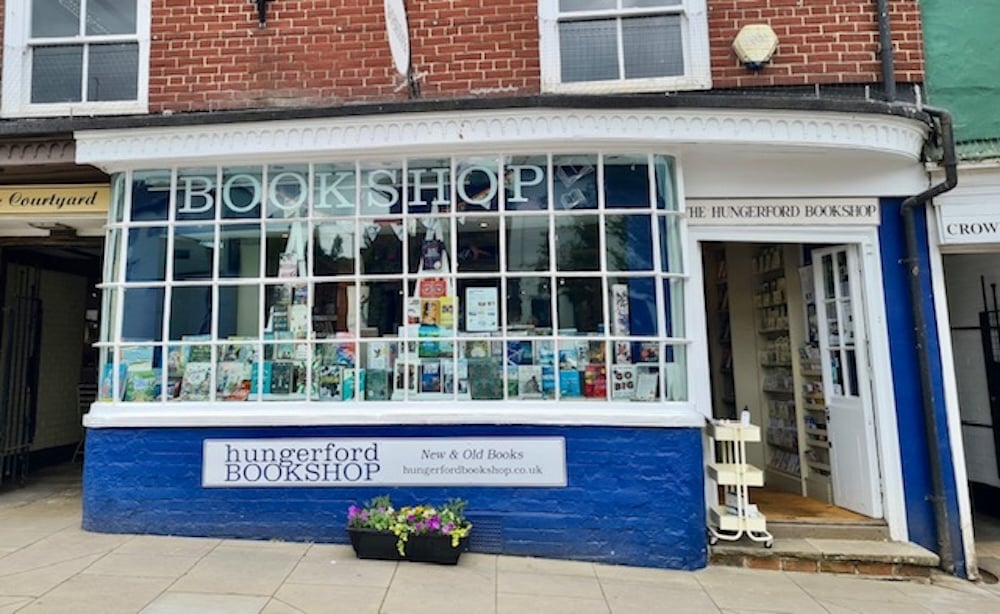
(434, 524)
(353, 512)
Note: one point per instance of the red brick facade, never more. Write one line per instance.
(212, 55)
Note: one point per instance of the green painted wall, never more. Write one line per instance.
(962, 50)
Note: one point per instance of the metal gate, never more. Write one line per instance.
(989, 329)
(19, 360)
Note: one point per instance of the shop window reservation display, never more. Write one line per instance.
(533, 277)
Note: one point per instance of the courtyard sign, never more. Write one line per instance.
(54, 199)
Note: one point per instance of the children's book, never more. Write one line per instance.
(142, 385)
(428, 349)
(622, 382)
(378, 355)
(330, 382)
(195, 382)
(569, 384)
(595, 381)
(543, 353)
(430, 312)
(139, 357)
(298, 320)
(623, 352)
(354, 378)
(529, 381)
(107, 382)
(232, 378)
(595, 353)
(649, 351)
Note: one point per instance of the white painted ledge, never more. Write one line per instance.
(368, 413)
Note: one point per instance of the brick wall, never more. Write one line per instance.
(633, 496)
(820, 41)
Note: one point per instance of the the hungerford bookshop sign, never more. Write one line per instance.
(312, 462)
(783, 212)
(54, 199)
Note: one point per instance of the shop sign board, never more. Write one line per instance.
(783, 212)
(54, 199)
(329, 462)
(968, 223)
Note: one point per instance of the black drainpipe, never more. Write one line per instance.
(948, 161)
(885, 50)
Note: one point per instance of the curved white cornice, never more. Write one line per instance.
(497, 131)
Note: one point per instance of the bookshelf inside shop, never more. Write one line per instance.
(720, 335)
(817, 443)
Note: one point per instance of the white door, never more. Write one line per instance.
(847, 390)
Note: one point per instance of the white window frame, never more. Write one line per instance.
(15, 100)
(694, 30)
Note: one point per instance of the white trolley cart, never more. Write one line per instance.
(733, 517)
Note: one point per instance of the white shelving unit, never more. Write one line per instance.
(733, 517)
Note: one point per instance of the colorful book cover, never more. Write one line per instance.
(430, 312)
(428, 349)
(175, 360)
(595, 353)
(348, 389)
(330, 382)
(298, 320)
(138, 357)
(447, 311)
(260, 377)
(569, 384)
(142, 385)
(477, 348)
(623, 352)
(107, 382)
(377, 385)
(519, 352)
(378, 355)
(282, 377)
(432, 255)
(543, 353)
(649, 351)
(195, 383)
(485, 380)
(529, 381)
(647, 385)
(345, 354)
(568, 359)
(197, 353)
(232, 378)
(430, 376)
(548, 381)
(595, 382)
(622, 382)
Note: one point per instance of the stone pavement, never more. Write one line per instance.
(48, 564)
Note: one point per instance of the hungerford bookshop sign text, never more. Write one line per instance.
(312, 462)
(783, 212)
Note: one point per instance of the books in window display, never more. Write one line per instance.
(485, 380)
(519, 353)
(529, 381)
(377, 384)
(569, 384)
(595, 382)
(196, 380)
(622, 382)
(233, 380)
(142, 385)
(647, 384)
(568, 359)
(430, 376)
(512, 383)
(260, 377)
(330, 382)
(283, 377)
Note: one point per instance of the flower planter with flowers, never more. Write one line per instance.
(414, 533)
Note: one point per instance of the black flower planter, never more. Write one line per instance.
(369, 544)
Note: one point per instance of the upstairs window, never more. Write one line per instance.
(609, 46)
(76, 56)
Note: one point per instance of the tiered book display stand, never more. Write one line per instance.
(734, 516)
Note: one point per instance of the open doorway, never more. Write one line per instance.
(787, 342)
(48, 365)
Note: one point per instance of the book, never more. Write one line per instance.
(622, 382)
(298, 320)
(282, 377)
(569, 384)
(548, 381)
(529, 381)
(377, 384)
(595, 353)
(430, 312)
(260, 377)
(447, 311)
(477, 348)
(378, 355)
(447, 377)
(512, 384)
(485, 381)
(353, 378)
(232, 378)
(329, 382)
(279, 319)
(195, 382)
(595, 381)
(142, 385)
(519, 353)
(543, 353)
(623, 352)
(107, 382)
(649, 351)
(568, 358)
(428, 349)
(138, 357)
(647, 384)
(430, 376)
(432, 255)
(619, 310)
(288, 265)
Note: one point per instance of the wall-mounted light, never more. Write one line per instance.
(754, 45)
(262, 12)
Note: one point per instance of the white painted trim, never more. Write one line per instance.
(887, 429)
(950, 384)
(485, 131)
(203, 415)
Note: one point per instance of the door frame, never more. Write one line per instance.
(887, 450)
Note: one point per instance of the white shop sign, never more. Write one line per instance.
(313, 462)
(968, 223)
(783, 212)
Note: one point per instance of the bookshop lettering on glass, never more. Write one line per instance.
(534, 277)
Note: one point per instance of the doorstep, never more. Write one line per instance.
(899, 560)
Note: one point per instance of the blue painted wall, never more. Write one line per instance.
(906, 383)
(633, 496)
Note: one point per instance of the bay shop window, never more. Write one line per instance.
(534, 277)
